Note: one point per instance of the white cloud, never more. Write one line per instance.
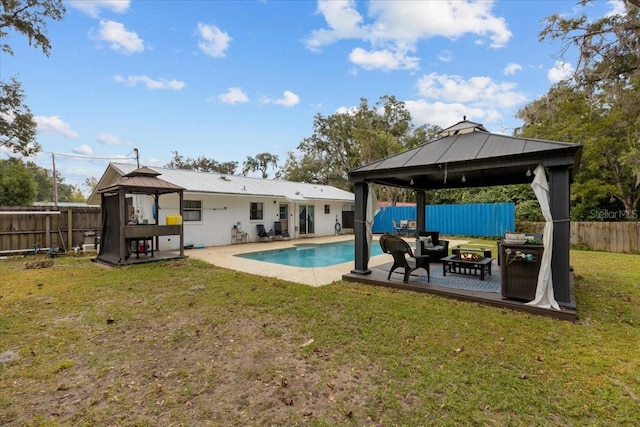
(84, 149)
(511, 69)
(445, 115)
(343, 20)
(234, 95)
(55, 125)
(383, 60)
(478, 91)
(397, 26)
(118, 37)
(617, 7)
(289, 99)
(560, 71)
(213, 41)
(108, 139)
(149, 82)
(94, 7)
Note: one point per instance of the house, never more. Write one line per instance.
(218, 207)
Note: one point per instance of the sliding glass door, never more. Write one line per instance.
(306, 218)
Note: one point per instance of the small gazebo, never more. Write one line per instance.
(467, 155)
(118, 231)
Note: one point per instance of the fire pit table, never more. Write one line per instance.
(468, 264)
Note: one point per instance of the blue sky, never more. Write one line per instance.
(231, 79)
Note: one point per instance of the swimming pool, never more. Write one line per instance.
(322, 255)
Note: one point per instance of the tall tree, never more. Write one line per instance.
(260, 163)
(599, 106)
(346, 140)
(29, 18)
(607, 47)
(44, 186)
(201, 164)
(17, 186)
(17, 126)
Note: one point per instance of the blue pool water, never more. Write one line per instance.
(312, 255)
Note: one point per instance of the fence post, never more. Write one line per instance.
(47, 231)
(69, 228)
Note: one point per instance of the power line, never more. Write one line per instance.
(78, 156)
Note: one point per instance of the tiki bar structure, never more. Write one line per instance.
(466, 155)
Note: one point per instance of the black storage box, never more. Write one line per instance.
(519, 268)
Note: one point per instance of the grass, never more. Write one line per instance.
(186, 343)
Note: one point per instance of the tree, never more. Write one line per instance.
(599, 106)
(17, 186)
(346, 140)
(201, 164)
(90, 184)
(44, 186)
(608, 47)
(17, 126)
(572, 114)
(26, 17)
(260, 163)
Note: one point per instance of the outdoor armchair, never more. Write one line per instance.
(403, 256)
(432, 245)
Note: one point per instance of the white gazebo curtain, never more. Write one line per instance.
(544, 289)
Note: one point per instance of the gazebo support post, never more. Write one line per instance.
(421, 217)
(181, 196)
(122, 203)
(360, 230)
(559, 188)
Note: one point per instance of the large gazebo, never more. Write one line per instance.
(467, 155)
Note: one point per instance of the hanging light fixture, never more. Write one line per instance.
(464, 178)
(528, 171)
(411, 182)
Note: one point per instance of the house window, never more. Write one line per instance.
(192, 210)
(284, 209)
(256, 210)
(327, 209)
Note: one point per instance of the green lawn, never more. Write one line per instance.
(186, 343)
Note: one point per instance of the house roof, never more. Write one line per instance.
(467, 150)
(214, 183)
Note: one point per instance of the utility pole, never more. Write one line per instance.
(137, 157)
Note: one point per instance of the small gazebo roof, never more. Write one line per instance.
(143, 181)
(143, 171)
(467, 155)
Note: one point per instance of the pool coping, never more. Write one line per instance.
(224, 256)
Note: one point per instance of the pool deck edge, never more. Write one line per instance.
(224, 256)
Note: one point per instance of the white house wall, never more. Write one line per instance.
(221, 212)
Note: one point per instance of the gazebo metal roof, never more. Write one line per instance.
(468, 150)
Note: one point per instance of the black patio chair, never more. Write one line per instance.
(277, 230)
(403, 256)
(263, 235)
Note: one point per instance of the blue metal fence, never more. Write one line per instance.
(477, 219)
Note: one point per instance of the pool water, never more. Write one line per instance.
(311, 256)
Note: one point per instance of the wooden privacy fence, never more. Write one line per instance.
(22, 227)
(621, 237)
